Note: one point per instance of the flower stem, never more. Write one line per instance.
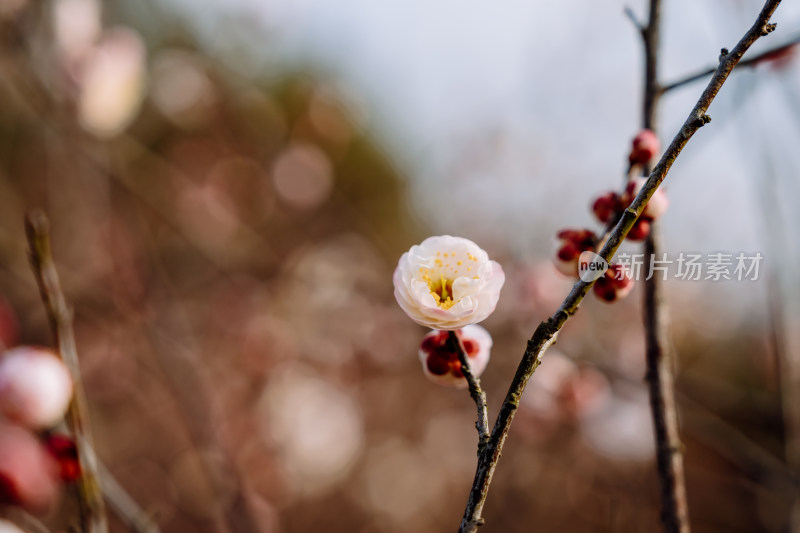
(475, 390)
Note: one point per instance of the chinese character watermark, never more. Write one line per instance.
(686, 266)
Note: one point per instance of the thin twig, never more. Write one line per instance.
(660, 383)
(90, 499)
(475, 390)
(749, 62)
(659, 358)
(634, 19)
(123, 505)
(651, 37)
(546, 332)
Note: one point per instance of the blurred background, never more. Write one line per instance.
(230, 187)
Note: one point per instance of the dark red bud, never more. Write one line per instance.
(640, 230)
(65, 452)
(644, 147)
(455, 369)
(470, 347)
(568, 252)
(434, 342)
(438, 366)
(606, 207)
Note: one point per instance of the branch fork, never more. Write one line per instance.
(490, 451)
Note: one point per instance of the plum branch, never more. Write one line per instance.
(545, 334)
(90, 499)
(659, 359)
(475, 390)
(757, 59)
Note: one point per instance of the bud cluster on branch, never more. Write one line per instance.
(575, 248)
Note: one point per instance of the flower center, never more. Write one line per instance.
(449, 266)
(442, 289)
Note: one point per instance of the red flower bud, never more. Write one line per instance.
(606, 207)
(644, 147)
(655, 207)
(440, 361)
(615, 284)
(65, 452)
(437, 365)
(640, 230)
(569, 246)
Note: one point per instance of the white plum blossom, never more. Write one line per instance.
(442, 365)
(447, 283)
(35, 387)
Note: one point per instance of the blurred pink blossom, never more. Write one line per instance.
(28, 474)
(35, 387)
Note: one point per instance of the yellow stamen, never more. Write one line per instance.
(440, 292)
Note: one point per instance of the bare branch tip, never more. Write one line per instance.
(36, 221)
(768, 28)
(632, 16)
(37, 229)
